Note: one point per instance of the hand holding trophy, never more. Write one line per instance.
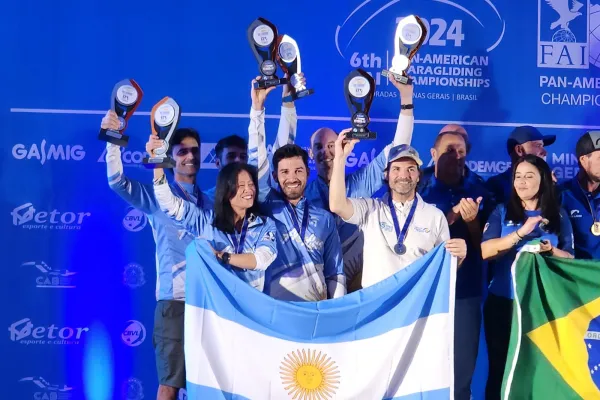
(164, 119)
(410, 35)
(288, 56)
(359, 90)
(126, 97)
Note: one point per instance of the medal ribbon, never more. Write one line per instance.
(185, 194)
(238, 247)
(301, 230)
(401, 235)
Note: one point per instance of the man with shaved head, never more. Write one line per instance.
(364, 182)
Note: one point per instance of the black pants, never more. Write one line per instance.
(497, 319)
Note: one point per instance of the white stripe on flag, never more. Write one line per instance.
(233, 358)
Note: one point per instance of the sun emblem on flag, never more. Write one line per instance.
(308, 375)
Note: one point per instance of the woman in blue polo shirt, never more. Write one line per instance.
(242, 239)
(532, 212)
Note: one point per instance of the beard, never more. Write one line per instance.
(294, 193)
(403, 187)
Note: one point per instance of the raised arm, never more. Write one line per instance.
(139, 195)
(257, 147)
(366, 181)
(185, 214)
(288, 123)
(338, 199)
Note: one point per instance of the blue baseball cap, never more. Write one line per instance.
(527, 133)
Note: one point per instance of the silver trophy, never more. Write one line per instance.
(410, 35)
(288, 56)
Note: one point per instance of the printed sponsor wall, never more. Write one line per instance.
(79, 267)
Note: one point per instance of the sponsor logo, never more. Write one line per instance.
(133, 276)
(27, 217)
(44, 390)
(441, 66)
(129, 158)
(24, 332)
(134, 220)
(575, 214)
(132, 389)
(134, 333)
(50, 277)
(43, 153)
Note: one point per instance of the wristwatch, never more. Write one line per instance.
(225, 257)
(407, 106)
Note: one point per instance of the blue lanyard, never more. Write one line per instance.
(184, 194)
(292, 211)
(238, 247)
(401, 235)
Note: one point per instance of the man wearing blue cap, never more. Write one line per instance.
(581, 197)
(523, 140)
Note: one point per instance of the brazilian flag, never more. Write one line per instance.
(554, 350)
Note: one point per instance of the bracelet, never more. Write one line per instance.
(160, 180)
(519, 236)
(407, 106)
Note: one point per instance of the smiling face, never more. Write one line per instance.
(292, 176)
(527, 181)
(403, 176)
(246, 192)
(187, 157)
(322, 150)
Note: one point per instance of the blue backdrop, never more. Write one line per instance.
(78, 264)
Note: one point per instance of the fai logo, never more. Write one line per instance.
(51, 278)
(134, 333)
(565, 34)
(134, 220)
(132, 389)
(27, 217)
(24, 332)
(53, 152)
(133, 276)
(44, 390)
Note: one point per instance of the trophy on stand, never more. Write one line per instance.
(359, 90)
(262, 36)
(288, 56)
(125, 99)
(164, 118)
(410, 35)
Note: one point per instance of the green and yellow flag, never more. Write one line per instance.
(554, 348)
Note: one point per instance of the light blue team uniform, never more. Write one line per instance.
(309, 268)
(171, 241)
(364, 182)
(257, 238)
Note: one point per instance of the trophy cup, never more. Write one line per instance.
(262, 36)
(125, 99)
(288, 56)
(359, 90)
(410, 35)
(164, 118)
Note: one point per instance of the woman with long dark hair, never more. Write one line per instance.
(240, 236)
(533, 212)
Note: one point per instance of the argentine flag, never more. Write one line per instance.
(393, 340)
